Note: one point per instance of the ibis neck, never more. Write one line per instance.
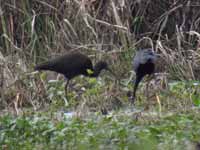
(137, 81)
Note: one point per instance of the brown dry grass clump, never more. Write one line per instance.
(32, 31)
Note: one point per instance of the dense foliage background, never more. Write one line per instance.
(32, 31)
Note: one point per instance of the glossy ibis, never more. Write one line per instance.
(72, 65)
(143, 64)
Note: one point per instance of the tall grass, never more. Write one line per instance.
(32, 31)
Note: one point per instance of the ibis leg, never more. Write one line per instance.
(66, 88)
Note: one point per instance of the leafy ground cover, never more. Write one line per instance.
(126, 128)
(116, 131)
